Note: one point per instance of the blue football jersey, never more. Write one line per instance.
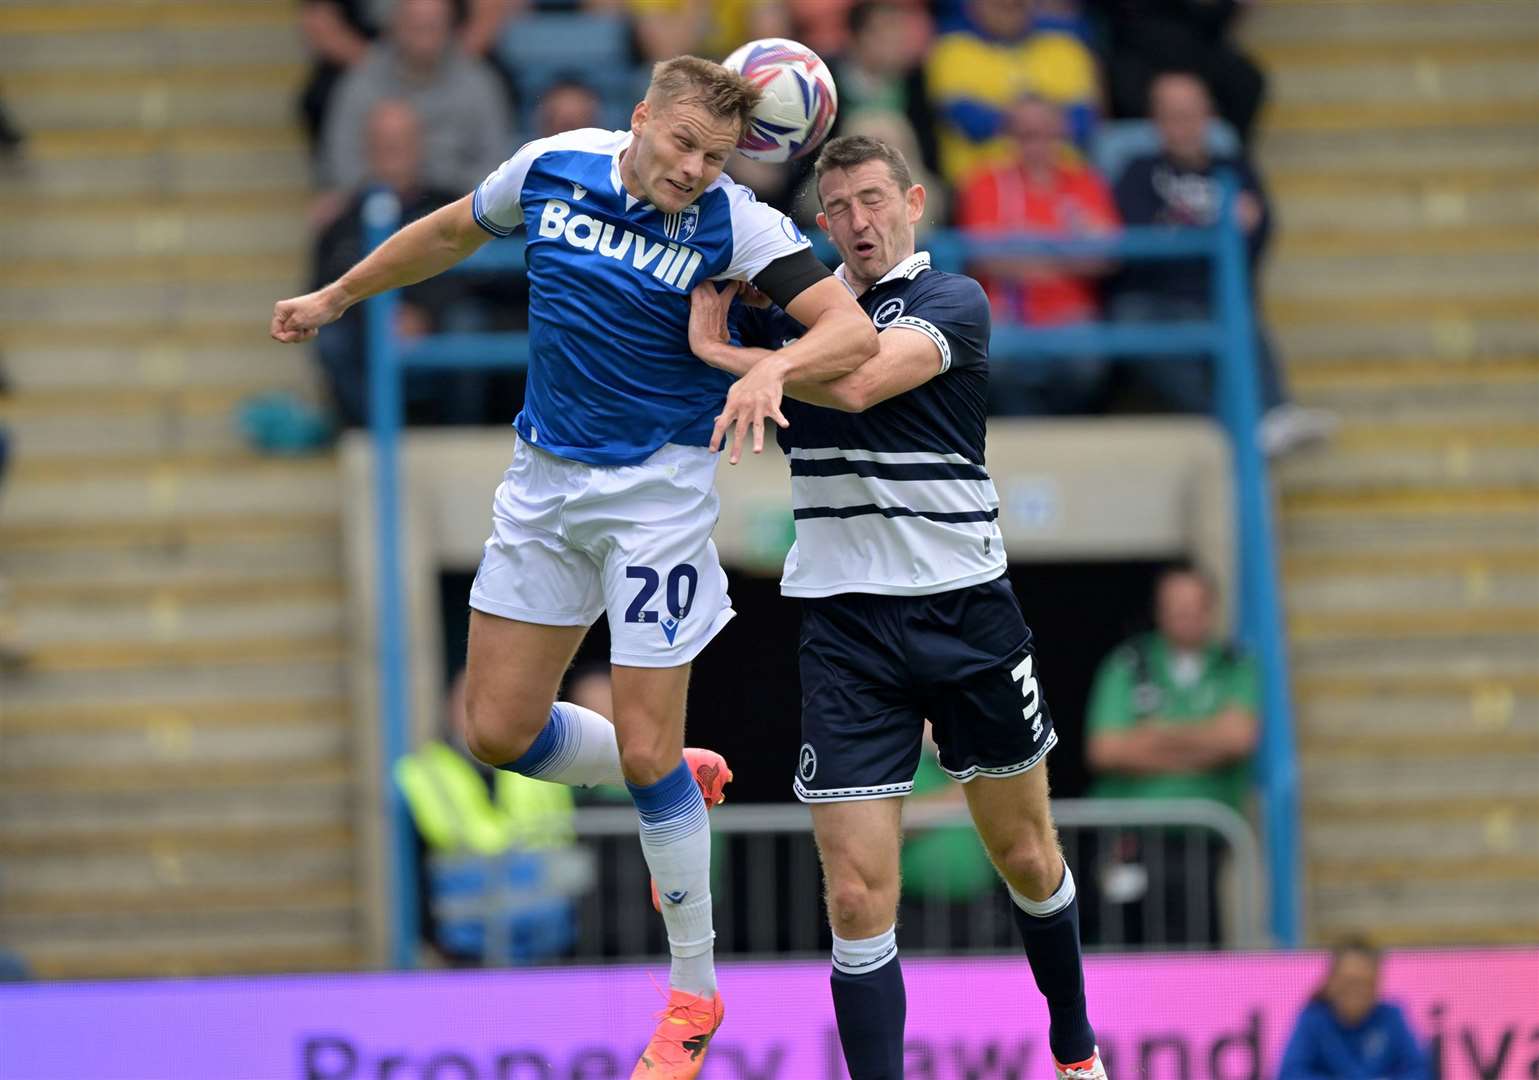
(611, 377)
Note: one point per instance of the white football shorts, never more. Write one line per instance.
(571, 540)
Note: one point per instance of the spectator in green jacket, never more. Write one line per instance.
(1172, 715)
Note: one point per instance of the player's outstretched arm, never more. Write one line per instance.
(839, 339)
(903, 361)
(428, 246)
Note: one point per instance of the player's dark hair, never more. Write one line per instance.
(691, 80)
(848, 151)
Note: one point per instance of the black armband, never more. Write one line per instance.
(784, 279)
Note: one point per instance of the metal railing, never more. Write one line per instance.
(1228, 338)
(767, 889)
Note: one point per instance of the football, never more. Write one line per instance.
(799, 99)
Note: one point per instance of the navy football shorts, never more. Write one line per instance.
(874, 668)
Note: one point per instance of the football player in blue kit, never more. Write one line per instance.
(906, 610)
(610, 499)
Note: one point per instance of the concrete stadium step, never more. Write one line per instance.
(1445, 333)
(1321, 54)
(1415, 216)
(1408, 780)
(1387, 625)
(1425, 913)
(168, 780)
(1415, 710)
(48, 820)
(1409, 153)
(135, 423)
(311, 671)
(304, 609)
(1410, 454)
(185, 959)
(42, 37)
(174, 359)
(196, 946)
(1492, 660)
(70, 490)
(1396, 580)
(1428, 181)
(57, 170)
(1409, 22)
(1400, 254)
(248, 301)
(90, 885)
(64, 275)
(1299, 276)
(1478, 72)
(201, 230)
(1498, 836)
(1426, 389)
(174, 569)
(166, 97)
(1504, 113)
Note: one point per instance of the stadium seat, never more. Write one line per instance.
(1115, 144)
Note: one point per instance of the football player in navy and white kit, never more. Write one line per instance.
(610, 500)
(907, 613)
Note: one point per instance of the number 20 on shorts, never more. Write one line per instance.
(679, 594)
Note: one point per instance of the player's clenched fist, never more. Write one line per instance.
(300, 318)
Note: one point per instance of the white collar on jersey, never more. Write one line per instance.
(910, 268)
(614, 171)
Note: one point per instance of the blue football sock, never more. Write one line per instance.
(1050, 930)
(870, 1005)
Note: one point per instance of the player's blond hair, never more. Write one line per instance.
(690, 80)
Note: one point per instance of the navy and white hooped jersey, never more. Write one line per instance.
(896, 500)
(611, 377)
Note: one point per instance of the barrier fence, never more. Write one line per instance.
(1227, 337)
(1144, 871)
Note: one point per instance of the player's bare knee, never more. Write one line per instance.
(496, 735)
(647, 758)
(1032, 865)
(859, 908)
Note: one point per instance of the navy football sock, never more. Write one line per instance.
(1050, 930)
(870, 1006)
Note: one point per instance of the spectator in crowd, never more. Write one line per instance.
(11, 137)
(1180, 185)
(975, 73)
(1147, 37)
(1172, 714)
(1347, 1032)
(466, 128)
(881, 70)
(1047, 190)
(567, 104)
(394, 144)
(339, 33)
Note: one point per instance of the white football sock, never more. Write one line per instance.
(676, 840)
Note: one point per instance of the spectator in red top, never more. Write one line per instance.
(1047, 190)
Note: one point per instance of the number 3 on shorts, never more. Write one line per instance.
(682, 580)
(1022, 674)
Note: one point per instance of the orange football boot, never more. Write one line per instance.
(684, 1030)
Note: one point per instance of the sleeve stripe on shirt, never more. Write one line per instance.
(909, 322)
(482, 220)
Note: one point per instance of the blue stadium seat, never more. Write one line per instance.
(1116, 143)
(545, 45)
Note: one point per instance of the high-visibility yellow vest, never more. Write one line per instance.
(454, 813)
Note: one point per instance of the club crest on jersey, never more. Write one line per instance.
(671, 263)
(887, 311)
(682, 226)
